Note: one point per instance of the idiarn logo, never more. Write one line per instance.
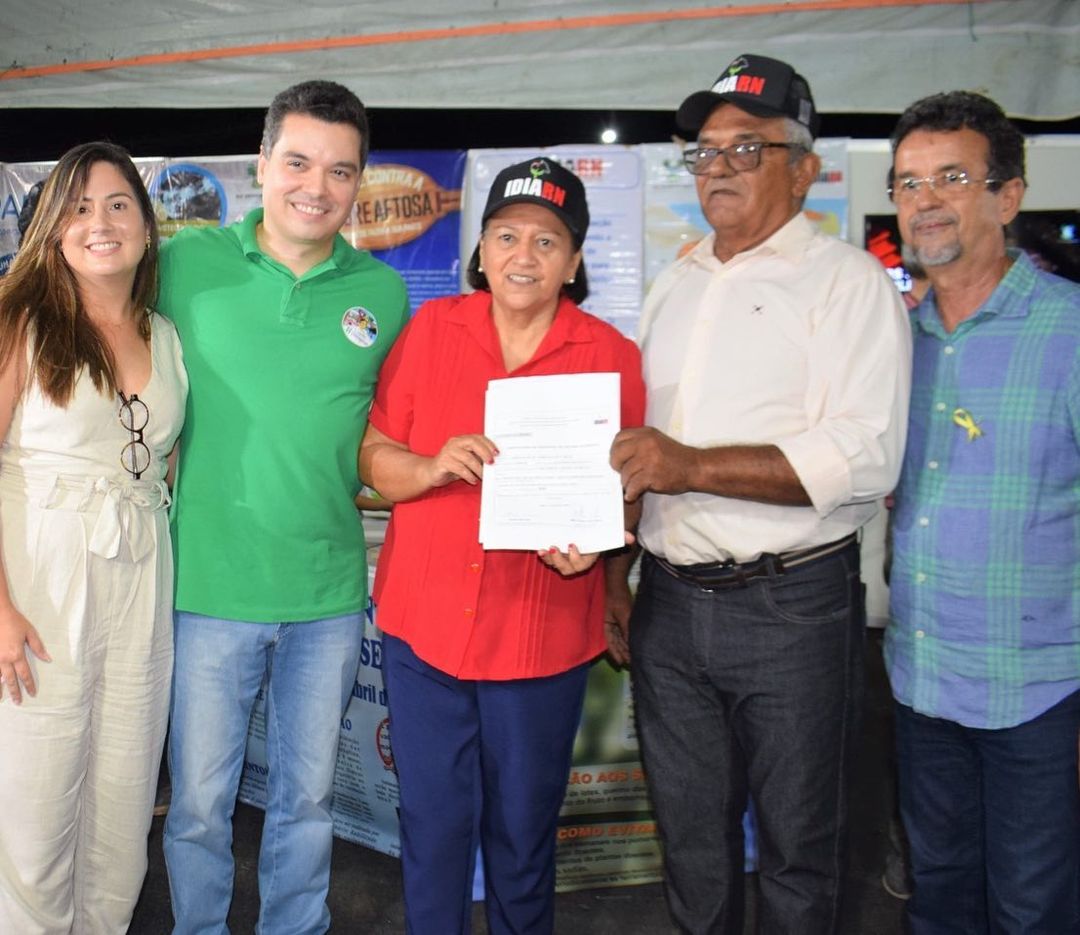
(736, 83)
(536, 186)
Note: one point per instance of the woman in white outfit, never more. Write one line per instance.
(92, 396)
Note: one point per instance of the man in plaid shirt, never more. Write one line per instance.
(983, 650)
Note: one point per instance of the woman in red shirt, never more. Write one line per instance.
(486, 652)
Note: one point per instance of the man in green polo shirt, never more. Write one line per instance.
(284, 326)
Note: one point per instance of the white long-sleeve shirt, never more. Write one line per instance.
(801, 342)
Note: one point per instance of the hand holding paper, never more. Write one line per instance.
(462, 457)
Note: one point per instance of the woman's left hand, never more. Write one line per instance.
(570, 562)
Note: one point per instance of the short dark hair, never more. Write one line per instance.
(323, 100)
(965, 110)
(576, 291)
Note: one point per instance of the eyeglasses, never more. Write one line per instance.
(742, 157)
(947, 185)
(134, 416)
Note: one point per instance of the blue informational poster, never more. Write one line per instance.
(408, 214)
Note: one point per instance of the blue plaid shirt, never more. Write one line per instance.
(985, 586)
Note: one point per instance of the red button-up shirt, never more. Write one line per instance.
(471, 613)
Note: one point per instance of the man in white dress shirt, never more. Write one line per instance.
(777, 363)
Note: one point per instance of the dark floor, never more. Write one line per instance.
(365, 885)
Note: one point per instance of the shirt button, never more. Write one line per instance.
(950, 350)
(469, 611)
(940, 407)
(933, 465)
(924, 521)
(919, 634)
(474, 567)
(920, 578)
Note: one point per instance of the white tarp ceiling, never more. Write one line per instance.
(859, 55)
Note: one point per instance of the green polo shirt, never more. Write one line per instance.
(282, 372)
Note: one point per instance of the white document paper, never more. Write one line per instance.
(551, 483)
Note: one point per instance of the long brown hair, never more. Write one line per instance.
(39, 295)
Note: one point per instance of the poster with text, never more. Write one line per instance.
(408, 214)
(612, 176)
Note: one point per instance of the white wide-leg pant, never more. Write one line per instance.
(89, 564)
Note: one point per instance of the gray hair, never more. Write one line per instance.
(800, 138)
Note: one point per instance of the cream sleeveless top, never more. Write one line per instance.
(70, 457)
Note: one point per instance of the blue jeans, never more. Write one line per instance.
(220, 664)
(993, 818)
(751, 692)
(479, 761)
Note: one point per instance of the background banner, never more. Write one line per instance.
(408, 214)
(210, 191)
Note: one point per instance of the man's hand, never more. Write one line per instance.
(16, 633)
(650, 460)
(618, 599)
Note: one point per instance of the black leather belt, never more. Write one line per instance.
(722, 576)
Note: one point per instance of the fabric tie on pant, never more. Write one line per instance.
(123, 507)
(119, 518)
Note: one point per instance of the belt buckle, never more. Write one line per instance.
(735, 578)
(759, 568)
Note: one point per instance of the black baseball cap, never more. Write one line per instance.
(764, 87)
(542, 181)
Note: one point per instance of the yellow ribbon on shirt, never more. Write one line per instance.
(966, 420)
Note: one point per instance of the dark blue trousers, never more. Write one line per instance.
(993, 817)
(751, 692)
(479, 762)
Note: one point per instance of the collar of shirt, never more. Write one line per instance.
(571, 325)
(343, 256)
(1010, 299)
(789, 241)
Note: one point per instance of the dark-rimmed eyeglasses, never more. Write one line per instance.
(742, 157)
(134, 415)
(944, 184)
